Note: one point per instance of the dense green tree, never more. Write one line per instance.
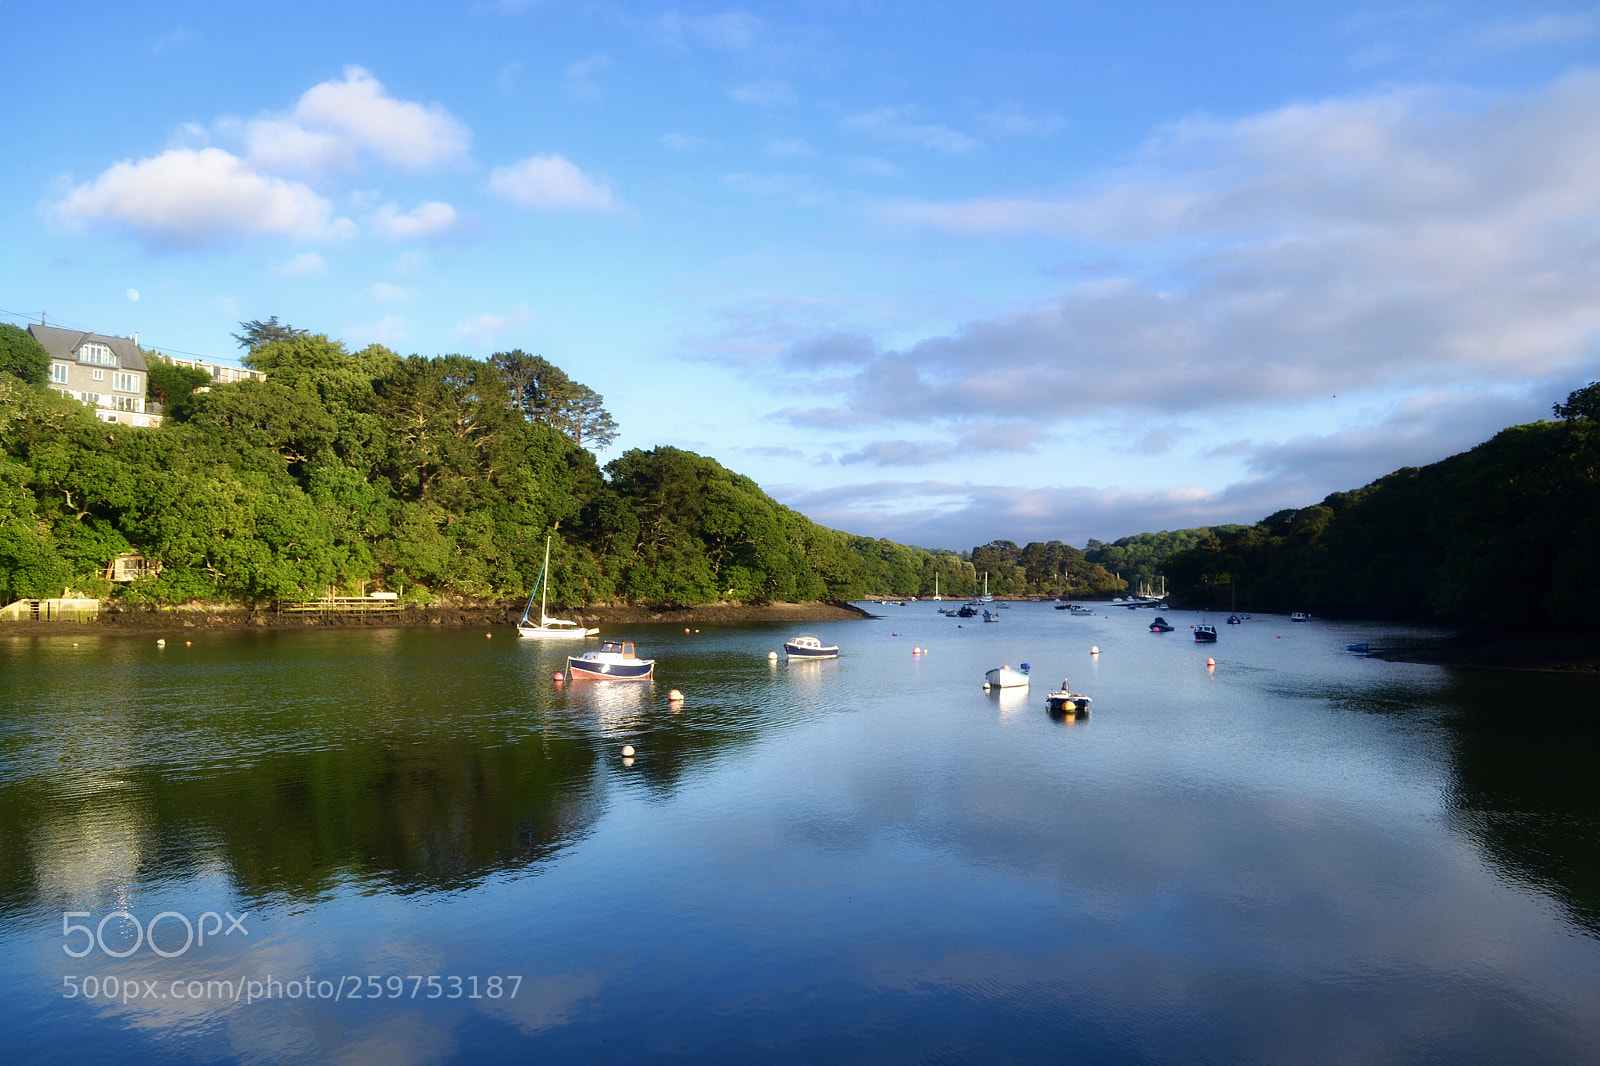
(255, 333)
(544, 393)
(1581, 403)
(22, 356)
(168, 383)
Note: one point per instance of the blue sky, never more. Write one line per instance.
(942, 273)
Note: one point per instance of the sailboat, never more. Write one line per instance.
(936, 587)
(986, 598)
(549, 628)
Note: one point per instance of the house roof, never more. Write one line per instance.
(62, 343)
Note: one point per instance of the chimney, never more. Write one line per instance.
(136, 338)
(41, 318)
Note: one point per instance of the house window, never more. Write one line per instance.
(99, 375)
(98, 354)
(124, 382)
(58, 373)
(127, 403)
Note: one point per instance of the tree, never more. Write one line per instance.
(256, 333)
(170, 382)
(23, 356)
(544, 393)
(1581, 403)
(584, 418)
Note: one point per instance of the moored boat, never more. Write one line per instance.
(612, 661)
(1006, 677)
(549, 628)
(1065, 701)
(1161, 625)
(810, 648)
(1299, 616)
(1205, 634)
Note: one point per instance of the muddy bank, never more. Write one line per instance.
(1502, 650)
(122, 617)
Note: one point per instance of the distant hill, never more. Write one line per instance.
(1508, 529)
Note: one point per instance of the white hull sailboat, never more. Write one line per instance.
(549, 628)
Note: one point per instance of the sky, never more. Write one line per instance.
(943, 273)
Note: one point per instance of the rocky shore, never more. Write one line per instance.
(460, 615)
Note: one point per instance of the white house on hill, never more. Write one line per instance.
(107, 373)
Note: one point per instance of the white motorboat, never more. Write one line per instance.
(612, 662)
(1006, 677)
(810, 648)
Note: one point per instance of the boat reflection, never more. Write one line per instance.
(617, 707)
(1013, 702)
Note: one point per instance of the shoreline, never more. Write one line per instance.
(1569, 653)
(138, 619)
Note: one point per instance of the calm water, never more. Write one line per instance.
(1302, 855)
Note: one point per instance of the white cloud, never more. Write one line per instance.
(431, 219)
(390, 330)
(1540, 31)
(956, 515)
(337, 123)
(133, 295)
(189, 197)
(550, 182)
(486, 328)
(303, 265)
(762, 94)
(383, 293)
(896, 125)
(1404, 240)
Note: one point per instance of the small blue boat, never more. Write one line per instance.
(810, 648)
(1355, 647)
(612, 662)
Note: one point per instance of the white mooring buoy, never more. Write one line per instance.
(627, 751)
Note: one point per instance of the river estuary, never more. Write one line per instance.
(412, 846)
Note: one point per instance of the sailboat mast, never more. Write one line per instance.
(544, 595)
